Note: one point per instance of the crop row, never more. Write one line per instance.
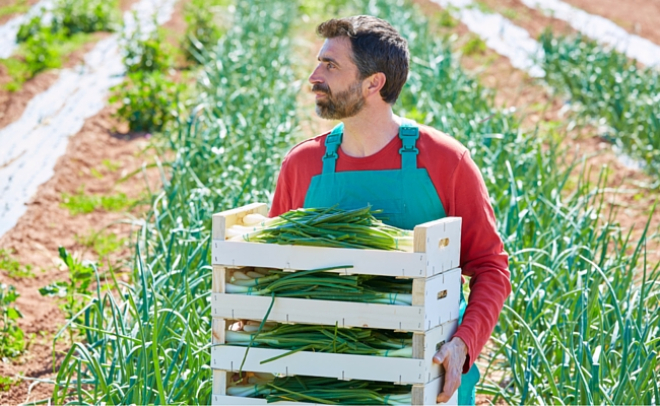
(622, 99)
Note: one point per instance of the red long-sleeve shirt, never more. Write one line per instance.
(463, 193)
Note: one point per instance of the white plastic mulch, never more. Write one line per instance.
(601, 29)
(9, 29)
(32, 145)
(500, 34)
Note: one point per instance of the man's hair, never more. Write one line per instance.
(377, 47)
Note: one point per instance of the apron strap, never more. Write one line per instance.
(409, 133)
(332, 143)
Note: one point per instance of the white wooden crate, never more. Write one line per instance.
(432, 316)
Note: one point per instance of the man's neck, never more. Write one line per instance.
(369, 131)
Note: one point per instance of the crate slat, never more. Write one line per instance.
(349, 314)
(342, 366)
(439, 240)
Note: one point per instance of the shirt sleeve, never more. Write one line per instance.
(483, 258)
(282, 199)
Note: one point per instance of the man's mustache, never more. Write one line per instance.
(322, 88)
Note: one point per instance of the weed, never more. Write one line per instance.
(446, 20)
(19, 7)
(95, 173)
(475, 45)
(510, 13)
(14, 268)
(81, 203)
(150, 100)
(103, 243)
(12, 338)
(81, 276)
(112, 166)
(483, 7)
(6, 383)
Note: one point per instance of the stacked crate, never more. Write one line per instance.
(432, 318)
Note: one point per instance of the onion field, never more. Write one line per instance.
(582, 324)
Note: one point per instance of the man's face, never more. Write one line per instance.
(335, 81)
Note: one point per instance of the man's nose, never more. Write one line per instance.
(315, 77)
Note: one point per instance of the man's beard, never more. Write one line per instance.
(342, 105)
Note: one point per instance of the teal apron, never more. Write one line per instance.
(406, 196)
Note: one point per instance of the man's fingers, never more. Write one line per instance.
(440, 356)
(452, 382)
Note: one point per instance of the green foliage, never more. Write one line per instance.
(149, 100)
(14, 268)
(81, 203)
(203, 30)
(6, 382)
(150, 54)
(103, 243)
(75, 16)
(72, 293)
(12, 338)
(20, 7)
(111, 166)
(474, 45)
(446, 20)
(607, 87)
(70, 17)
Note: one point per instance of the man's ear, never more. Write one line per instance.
(374, 83)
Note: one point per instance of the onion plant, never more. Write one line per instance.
(333, 227)
(299, 337)
(322, 285)
(325, 391)
(612, 91)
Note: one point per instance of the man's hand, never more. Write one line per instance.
(452, 357)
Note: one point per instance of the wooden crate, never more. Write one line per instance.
(432, 317)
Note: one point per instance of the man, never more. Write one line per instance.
(413, 173)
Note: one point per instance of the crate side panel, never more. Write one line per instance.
(443, 245)
(325, 312)
(431, 342)
(442, 298)
(371, 262)
(339, 366)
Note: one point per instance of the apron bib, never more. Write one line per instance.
(406, 197)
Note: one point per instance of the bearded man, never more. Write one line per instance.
(413, 173)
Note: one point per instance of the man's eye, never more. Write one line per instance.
(331, 66)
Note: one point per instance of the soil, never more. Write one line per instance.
(5, 3)
(639, 17)
(97, 157)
